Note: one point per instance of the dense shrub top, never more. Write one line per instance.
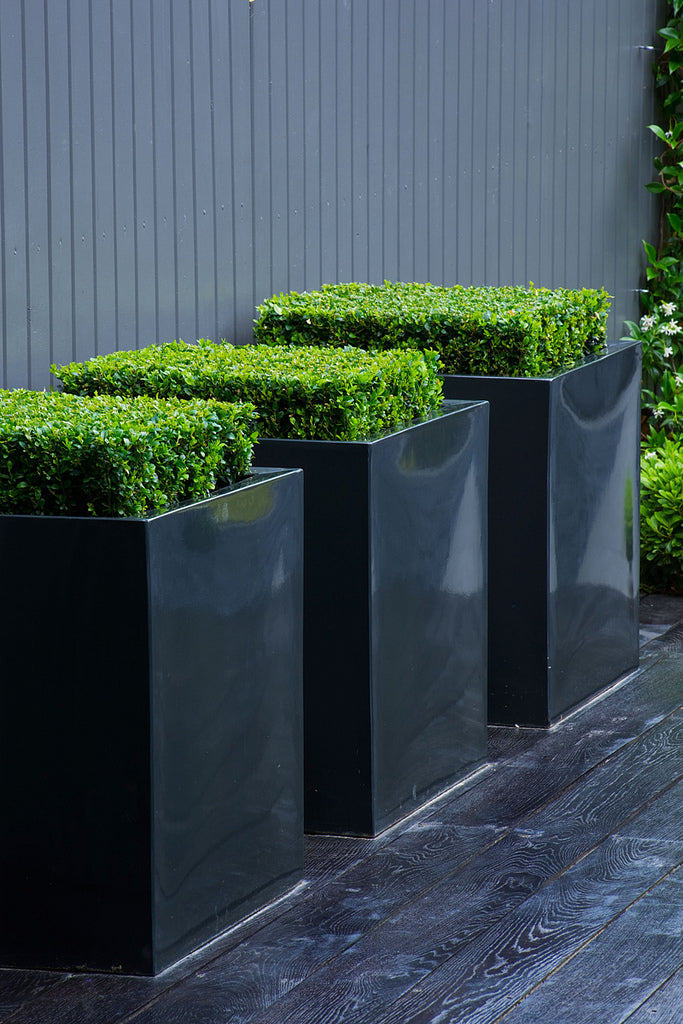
(320, 394)
(111, 456)
(506, 331)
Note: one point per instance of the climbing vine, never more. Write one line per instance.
(661, 326)
(660, 329)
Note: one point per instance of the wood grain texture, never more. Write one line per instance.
(508, 898)
(428, 933)
(664, 1007)
(328, 856)
(471, 897)
(502, 965)
(323, 925)
(628, 962)
(406, 949)
(19, 987)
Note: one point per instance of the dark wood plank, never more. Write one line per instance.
(322, 927)
(506, 743)
(319, 924)
(329, 856)
(660, 609)
(377, 919)
(651, 632)
(546, 762)
(483, 889)
(664, 1007)
(627, 962)
(668, 642)
(615, 786)
(507, 961)
(376, 887)
(390, 960)
(19, 987)
(85, 999)
(326, 857)
(96, 998)
(396, 955)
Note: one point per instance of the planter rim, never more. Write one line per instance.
(448, 406)
(257, 475)
(612, 348)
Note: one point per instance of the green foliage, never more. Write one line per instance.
(660, 330)
(661, 515)
(67, 455)
(662, 338)
(665, 260)
(506, 331)
(299, 392)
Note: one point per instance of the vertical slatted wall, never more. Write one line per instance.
(166, 164)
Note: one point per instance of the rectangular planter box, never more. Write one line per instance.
(151, 726)
(394, 615)
(563, 533)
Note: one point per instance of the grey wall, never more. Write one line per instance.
(166, 164)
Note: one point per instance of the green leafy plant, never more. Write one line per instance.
(661, 515)
(660, 330)
(664, 268)
(661, 334)
(506, 331)
(299, 392)
(109, 456)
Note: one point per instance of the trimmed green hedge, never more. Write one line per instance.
(506, 331)
(320, 394)
(661, 515)
(66, 455)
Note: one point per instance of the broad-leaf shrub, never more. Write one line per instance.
(67, 455)
(320, 394)
(661, 515)
(507, 331)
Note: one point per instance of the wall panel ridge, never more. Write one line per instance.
(164, 166)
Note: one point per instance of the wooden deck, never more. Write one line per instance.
(547, 887)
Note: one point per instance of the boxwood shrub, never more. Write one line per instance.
(299, 392)
(111, 456)
(506, 331)
(661, 517)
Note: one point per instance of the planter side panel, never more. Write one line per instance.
(226, 630)
(74, 744)
(518, 546)
(338, 771)
(429, 594)
(563, 540)
(594, 527)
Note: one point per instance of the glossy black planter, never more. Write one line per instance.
(563, 533)
(151, 726)
(394, 615)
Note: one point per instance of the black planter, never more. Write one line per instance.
(151, 719)
(563, 533)
(394, 615)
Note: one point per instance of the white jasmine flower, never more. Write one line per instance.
(670, 327)
(668, 308)
(668, 351)
(679, 380)
(649, 455)
(648, 322)
(658, 413)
